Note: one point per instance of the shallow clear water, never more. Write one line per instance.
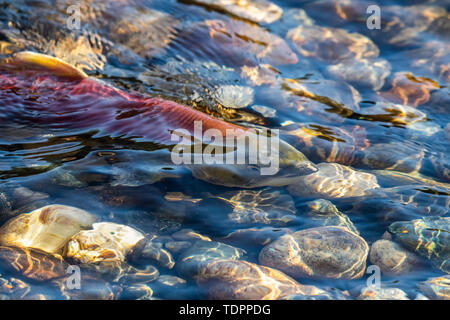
(122, 179)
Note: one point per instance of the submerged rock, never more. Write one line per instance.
(333, 180)
(242, 280)
(392, 113)
(105, 242)
(146, 32)
(48, 228)
(441, 165)
(262, 74)
(32, 263)
(369, 73)
(392, 259)
(235, 43)
(151, 251)
(262, 11)
(410, 90)
(324, 213)
(324, 143)
(401, 25)
(264, 206)
(140, 291)
(436, 288)
(332, 45)
(404, 24)
(396, 156)
(382, 294)
(189, 235)
(430, 60)
(328, 101)
(88, 288)
(201, 253)
(254, 236)
(12, 288)
(330, 252)
(429, 237)
(408, 201)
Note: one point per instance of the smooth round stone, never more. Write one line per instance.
(315, 100)
(436, 288)
(140, 291)
(421, 297)
(369, 73)
(260, 11)
(369, 293)
(392, 258)
(333, 294)
(410, 90)
(145, 274)
(189, 235)
(336, 94)
(48, 228)
(430, 236)
(259, 75)
(266, 112)
(333, 180)
(200, 253)
(331, 45)
(172, 287)
(430, 60)
(329, 252)
(90, 288)
(292, 18)
(394, 156)
(254, 236)
(264, 206)
(177, 246)
(395, 114)
(324, 213)
(147, 250)
(171, 281)
(328, 143)
(242, 280)
(235, 43)
(106, 242)
(23, 196)
(406, 23)
(65, 178)
(13, 288)
(145, 32)
(441, 165)
(32, 264)
(403, 202)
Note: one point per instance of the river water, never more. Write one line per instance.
(338, 88)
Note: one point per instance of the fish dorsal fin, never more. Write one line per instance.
(34, 60)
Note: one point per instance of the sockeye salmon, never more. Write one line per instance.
(47, 91)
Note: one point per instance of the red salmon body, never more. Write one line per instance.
(39, 95)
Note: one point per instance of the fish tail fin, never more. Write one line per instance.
(34, 60)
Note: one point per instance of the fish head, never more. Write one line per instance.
(286, 167)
